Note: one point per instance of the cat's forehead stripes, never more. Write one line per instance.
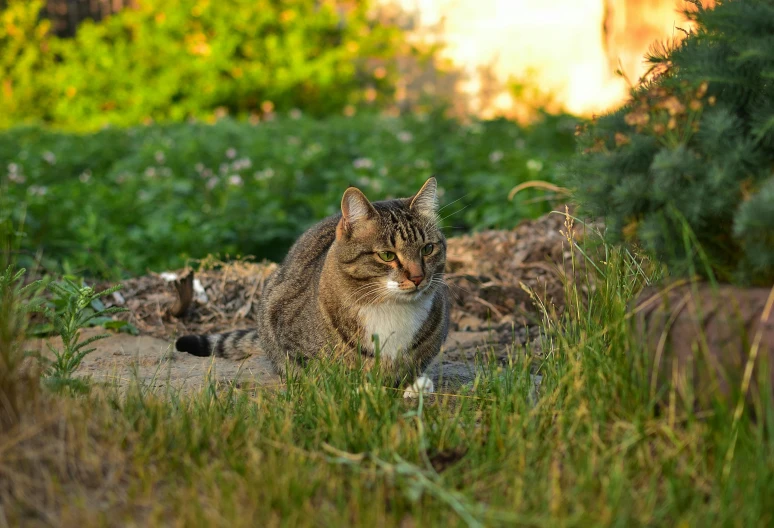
(401, 223)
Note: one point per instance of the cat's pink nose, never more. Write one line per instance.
(417, 279)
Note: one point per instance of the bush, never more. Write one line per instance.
(169, 60)
(122, 201)
(685, 167)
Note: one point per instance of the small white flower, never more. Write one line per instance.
(50, 157)
(241, 164)
(16, 177)
(383, 171)
(405, 136)
(37, 190)
(13, 167)
(199, 167)
(224, 168)
(207, 173)
(363, 163)
(211, 183)
(160, 157)
(231, 153)
(235, 180)
(150, 172)
(85, 176)
(496, 156)
(363, 181)
(295, 114)
(535, 165)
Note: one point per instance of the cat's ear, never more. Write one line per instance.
(355, 208)
(425, 202)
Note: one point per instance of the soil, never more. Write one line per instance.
(500, 282)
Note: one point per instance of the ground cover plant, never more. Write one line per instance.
(122, 201)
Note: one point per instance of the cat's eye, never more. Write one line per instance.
(387, 256)
(427, 250)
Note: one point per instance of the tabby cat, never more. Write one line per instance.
(367, 280)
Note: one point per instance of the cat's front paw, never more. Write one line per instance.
(421, 384)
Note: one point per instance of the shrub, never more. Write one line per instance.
(685, 167)
(149, 197)
(169, 60)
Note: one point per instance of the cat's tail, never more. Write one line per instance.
(232, 345)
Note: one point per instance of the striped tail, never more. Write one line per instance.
(232, 345)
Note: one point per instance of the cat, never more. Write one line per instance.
(368, 279)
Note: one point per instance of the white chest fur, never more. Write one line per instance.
(395, 324)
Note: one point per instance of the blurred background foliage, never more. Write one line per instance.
(178, 128)
(170, 60)
(121, 201)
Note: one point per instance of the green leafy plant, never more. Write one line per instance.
(121, 201)
(685, 167)
(170, 60)
(79, 307)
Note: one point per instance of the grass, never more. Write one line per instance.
(337, 448)
(121, 201)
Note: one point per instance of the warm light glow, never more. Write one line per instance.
(569, 49)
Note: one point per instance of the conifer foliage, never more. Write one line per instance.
(686, 167)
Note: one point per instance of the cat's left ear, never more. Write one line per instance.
(355, 208)
(425, 202)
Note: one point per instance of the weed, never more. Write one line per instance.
(78, 307)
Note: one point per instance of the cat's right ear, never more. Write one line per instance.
(355, 208)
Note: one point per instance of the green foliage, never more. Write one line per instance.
(170, 60)
(121, 201)
(76, 307)
(685, 168)
(25, 52)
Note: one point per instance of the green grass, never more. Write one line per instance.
(121, 201)
(336, 448)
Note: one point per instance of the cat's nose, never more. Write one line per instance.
(416, 279)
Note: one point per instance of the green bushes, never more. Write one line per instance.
(169, 60)
(685, 168)
(125, 200)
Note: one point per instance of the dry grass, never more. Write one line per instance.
(338, 448)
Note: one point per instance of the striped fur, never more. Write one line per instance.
(339, 285)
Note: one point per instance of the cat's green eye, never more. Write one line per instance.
(427, 250)
(387, 256)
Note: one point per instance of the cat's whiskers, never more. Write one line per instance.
(358, 296)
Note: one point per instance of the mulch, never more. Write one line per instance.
(495, 279)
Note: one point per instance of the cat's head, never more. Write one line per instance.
(390, 251)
